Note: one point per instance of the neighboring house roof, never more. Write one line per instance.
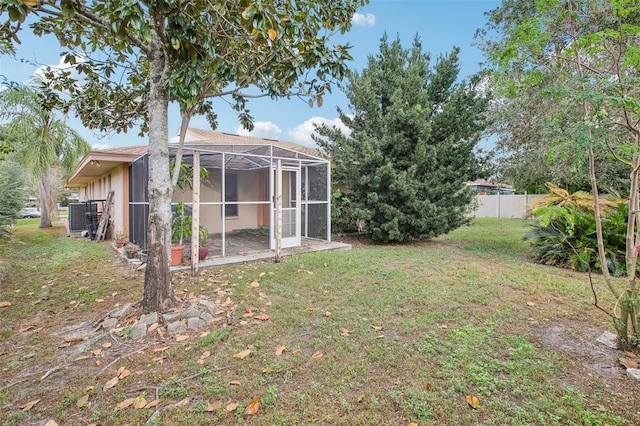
(99, 161)
(482, 185)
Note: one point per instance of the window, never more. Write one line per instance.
(231, 194)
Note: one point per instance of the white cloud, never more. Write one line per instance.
(99, 146)
(302, 132)
(261, 129)
(368, 20)
(62, 66)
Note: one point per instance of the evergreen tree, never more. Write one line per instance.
(410, 150)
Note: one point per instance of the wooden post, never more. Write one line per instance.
(278, 210)
(195, 215)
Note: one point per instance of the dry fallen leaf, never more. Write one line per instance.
(205, 354)
(262, 317)
(5, 304)
(29, 405)
(153, 327)
(296, 351)
(123, 372)
(317, 355)
(376, 327)
(381, 336)
(75, 339)
(232, 406)
(243, 354)
(139, 403)
(234, 383)
(110, 383)
(473, 401)
(153, 403)
(181, 337)
(267, 370)
(124, 404)
(628, 363)
(531, 304)
(106, 345)
(253, 406)
(51, 422)
(82, 401)
(327, 314)
(345, 332)
(413, 424)
(280, 349)
(162, 349)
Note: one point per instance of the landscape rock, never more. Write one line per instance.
(608, 339)
(176, 327)
(634, 372)
(211, 307)
(149, 319)
(138, 331)
(192, 312)
(206, 316)
(110, 323)
(122, 311)
(195, 323)
(171, 316)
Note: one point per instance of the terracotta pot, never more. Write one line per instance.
(202, 253)
(176, 254)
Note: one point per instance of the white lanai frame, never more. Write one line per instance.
(313, 185)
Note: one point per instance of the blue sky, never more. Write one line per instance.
(441, 24)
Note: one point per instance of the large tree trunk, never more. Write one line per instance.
(158, 294)
(44, 195)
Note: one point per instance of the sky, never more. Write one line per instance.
(440, 24)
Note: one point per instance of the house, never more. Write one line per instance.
(97, 173)
(485, 187)
(237, 201)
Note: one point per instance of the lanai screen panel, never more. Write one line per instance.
(315, 201)
(138, 201)
(238, 189)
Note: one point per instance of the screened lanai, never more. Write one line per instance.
(237, 201)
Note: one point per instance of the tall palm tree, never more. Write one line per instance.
(46, 144)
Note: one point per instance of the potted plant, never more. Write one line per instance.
(120, 240)
(203, 250)
(181, 224)
(131, 250)
(180, 229)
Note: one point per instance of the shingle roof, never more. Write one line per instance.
(125, 150)
(214, 137)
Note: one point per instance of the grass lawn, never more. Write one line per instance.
(379, 335)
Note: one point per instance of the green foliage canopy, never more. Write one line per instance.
(410, 149)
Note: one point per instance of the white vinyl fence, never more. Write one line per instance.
(504, 206)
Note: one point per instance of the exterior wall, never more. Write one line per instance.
(118, 180)
(250, 189)
(504, 206)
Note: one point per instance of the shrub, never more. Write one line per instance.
(565, 234)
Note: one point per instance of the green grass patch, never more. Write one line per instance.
(381, 335)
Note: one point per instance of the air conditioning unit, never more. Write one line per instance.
(78, 217)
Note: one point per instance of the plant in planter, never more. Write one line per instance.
(203, 233)
(120, 240)
(131, 250)
(181, 224)
(180, 229)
